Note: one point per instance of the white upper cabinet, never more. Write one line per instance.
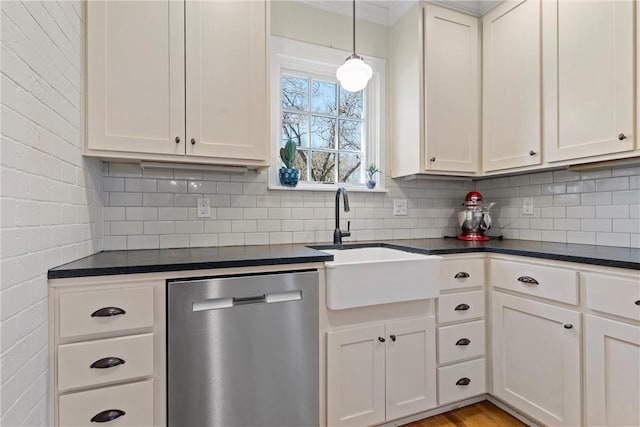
(588, 78)
(178, 81)
(452, 90)
(226, 48)
(512, 118)
(435, 87)
(135, 85)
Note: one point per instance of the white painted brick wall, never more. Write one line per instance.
(598, 207)
(156, 208)
(51, 207)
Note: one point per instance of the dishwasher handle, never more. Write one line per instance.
(256, 299)
(219, 303)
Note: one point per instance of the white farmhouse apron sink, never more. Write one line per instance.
(361, 277)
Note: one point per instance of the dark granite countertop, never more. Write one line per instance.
(161, 260)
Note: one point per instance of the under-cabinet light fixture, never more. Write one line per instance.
(354, 74)
(186, 166)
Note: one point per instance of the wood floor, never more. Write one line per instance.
(481, 414)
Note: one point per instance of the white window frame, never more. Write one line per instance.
(291, 57)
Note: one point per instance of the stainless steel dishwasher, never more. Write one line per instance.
(243, 351)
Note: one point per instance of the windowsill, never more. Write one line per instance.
(328, 188)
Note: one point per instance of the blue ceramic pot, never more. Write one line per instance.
(371, 184)
(289, 176)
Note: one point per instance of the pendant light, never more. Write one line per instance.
(354, 74)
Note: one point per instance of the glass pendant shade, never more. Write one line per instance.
(354, 74)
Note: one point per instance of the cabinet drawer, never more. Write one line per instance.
(461, 273)
(458, 342)
(452, 380)
(135, 400)
(130, 357)
(460, 306)
(553, 283)
(617, 295)
(79, 311)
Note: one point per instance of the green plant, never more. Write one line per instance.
(372, 170)
(288, 154)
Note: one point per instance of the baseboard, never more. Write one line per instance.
(462, 404)
(433, 412)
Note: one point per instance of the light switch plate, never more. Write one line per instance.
(527, 206)
(204, 208)
(399, 207)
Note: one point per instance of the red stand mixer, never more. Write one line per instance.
(475, 218)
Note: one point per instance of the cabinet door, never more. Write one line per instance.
(536, 359)
(226, 67)
(452, 84)
(135, 76)
(588, 75)
(612, 372)
(511, 135)
(411, 367)
(355, 376)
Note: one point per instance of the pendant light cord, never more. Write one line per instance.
(354, 27)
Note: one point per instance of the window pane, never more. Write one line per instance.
(323, 166)
(323, 132)
(323, 97)
(349, 168)
(295, 93)
(295, 128)
(350, 135)
(351, 104)
(301, 163)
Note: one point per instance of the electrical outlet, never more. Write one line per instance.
(400, 207)
(527, 206)
(204, 208)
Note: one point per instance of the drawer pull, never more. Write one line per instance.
(638, 302)
(106, 416)
(462, 307)
(107, 362)
(393, 338)
(381, 339)
(461, 275)
(108, 312)
(463, 381)
(528, 280)
(463, 341)
(568, 326)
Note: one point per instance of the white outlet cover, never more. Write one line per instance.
(204, 208)
(527, 206)
(399, 207)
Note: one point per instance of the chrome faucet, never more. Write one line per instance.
(337, 234)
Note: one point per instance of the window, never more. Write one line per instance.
(337, 133)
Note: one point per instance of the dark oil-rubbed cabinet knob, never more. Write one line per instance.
(532, 153)
(528, 280)
(193, 141)
(108, 415)
(463, 341)
(462, 307)
(108, 312)
(381, 339)
(177, 140)
(433, 159)
(107, 362)
(568, 326)
(393, 338)
(463, 381)
(622, 137)
(638, 302)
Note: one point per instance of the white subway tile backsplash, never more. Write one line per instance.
(613, 211)
(156, 199)
(613, 239)
(125, 199)
(612, 184)
(631, 197)
(596, 224)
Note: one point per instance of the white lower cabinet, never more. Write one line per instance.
(612, 361)
(380, 372)
(461, 381)
(536, 358)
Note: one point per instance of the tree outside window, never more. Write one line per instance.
(326, 123)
